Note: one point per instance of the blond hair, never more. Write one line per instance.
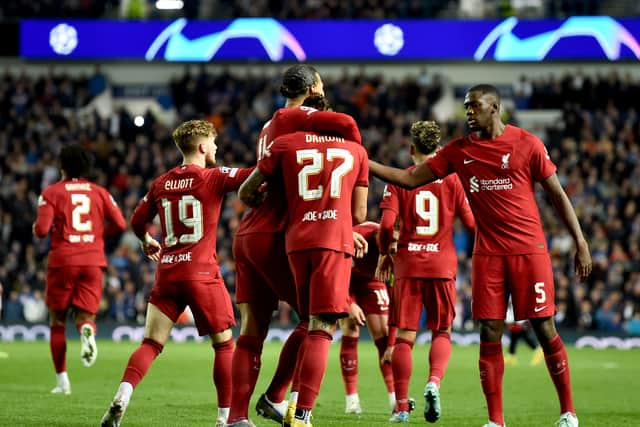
(425, 135)
(187, 134)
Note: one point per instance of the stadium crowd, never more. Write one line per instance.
(595, 147)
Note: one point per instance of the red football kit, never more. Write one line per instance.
(367, 291)
(75, 210)
(510, 253)
(188, 199)
(425, 265)
(263, 275)
(320, 174)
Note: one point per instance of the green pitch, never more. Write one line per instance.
(178, 391)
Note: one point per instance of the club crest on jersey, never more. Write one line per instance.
(505, 161)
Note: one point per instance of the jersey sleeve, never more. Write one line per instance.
(541, 165)
(46, 212)
(269, 163)
(114, 215)
(385, 236)
(230, 179)
(144, 214)
(363, 174)
(330, 122)
(463, 210)
(390, 199)
(440, 164)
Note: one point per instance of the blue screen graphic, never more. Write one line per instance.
(270, 40)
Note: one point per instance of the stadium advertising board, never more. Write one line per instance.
(587, 38)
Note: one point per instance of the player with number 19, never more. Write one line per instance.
(75, 210)
(188, 199)
(424, 269)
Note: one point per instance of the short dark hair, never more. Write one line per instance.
(75, 161)
(186, 135)
(297, 80)
(317, 101)
(425, 136)
(486, 88)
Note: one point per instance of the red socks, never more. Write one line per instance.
(349, 363)
(491, 366)
(402, 364)
(140, 361)
(283, 375)
(385, 368)
(245, 369)
(439, 355)
(313, 367)
(58, 346)
(222, 372)
(555, 354)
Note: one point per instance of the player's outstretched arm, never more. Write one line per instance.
(249, 190)
(562, 204)
(420, 175)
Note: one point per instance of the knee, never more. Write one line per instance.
(324, 322)
(544, 328)
(491, 330)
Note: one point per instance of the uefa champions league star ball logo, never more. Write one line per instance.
(63, 39)
(389, 39)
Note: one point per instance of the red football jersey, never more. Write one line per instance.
(77, 208)
(498, 176)
(425, 244)
(365, 268)
(320, 174)
(188, 199)
(270, 216)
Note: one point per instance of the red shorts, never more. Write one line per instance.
(527, 278)
(263, 275)
(410, 294)
(370, 295)
(209, 302)
(322, 281)
(76, 286)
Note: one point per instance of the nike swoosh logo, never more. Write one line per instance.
(539, 309)
(467, 161)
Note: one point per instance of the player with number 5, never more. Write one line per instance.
(74, 209)
(424, 268)
(188, 199)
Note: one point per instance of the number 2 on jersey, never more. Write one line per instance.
(427, 209)
(81, 206)
(193, 221)
(317, 166)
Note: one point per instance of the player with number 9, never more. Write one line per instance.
(74, 209)
(188, 199)
(424, 269)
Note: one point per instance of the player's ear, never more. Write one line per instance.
(412, 149)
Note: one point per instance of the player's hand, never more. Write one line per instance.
(583, 261)
(151, 248)
(384, 268)
(356, 314)
(386, 357)
(360, 245)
